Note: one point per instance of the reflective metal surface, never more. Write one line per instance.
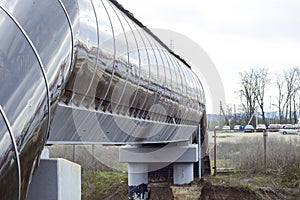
(35, 62)
(9, 167)
(128, 72)
(96, 73)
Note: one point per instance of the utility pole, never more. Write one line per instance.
(270, 110)
(234, 114)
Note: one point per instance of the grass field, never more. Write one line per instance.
(241, 153)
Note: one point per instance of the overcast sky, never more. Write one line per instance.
(236, 34)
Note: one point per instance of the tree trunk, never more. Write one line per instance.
(295, 110)
(291, 120)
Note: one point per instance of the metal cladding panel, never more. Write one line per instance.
(35, 61)
(122, 69)
(48, 29)
(83, 126)
(9, 178)
(114, 81)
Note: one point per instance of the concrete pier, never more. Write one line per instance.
(138, 181)
(183, 173)
(55, 179)
(182, 155)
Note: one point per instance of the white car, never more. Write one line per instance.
(249, 129)
(237, 128)
(261, 127)
(226, 128)
(289, 130)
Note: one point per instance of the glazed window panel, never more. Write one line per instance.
(178, 90)
(188, 96)
(105, 85)
(193, 99)
(161, 104)
(153, 96)
(184, 110)
(106, 36)
(122, 60)
(80, 89)
(133, 81)
(168, 75)
(154, 73)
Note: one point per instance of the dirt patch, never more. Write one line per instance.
(161, 191)
(210, 191)
(113, 186)
(120, 193)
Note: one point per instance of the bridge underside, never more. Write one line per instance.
(73, 125)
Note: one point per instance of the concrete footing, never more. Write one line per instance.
(138, 181)
(183, 173)
(55, 179)
(139, 158)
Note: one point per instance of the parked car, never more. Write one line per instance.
(249, 129)
(238, 128)
(290, 130)
(261, 127)
(274, 127)
(226, 128)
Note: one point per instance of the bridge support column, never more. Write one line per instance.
(138, 181)
(140, 159)
(183, 173)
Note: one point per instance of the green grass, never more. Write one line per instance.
(291, 176)
(101, 184)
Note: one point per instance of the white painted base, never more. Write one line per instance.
(56, 179)
(138, 181)
(137, 174)
(183, 173)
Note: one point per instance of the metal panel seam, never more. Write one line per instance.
(15, 147)
(115, 52)
(71, 30)
(97, 58)
(38, 58)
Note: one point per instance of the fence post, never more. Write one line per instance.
(265, 149)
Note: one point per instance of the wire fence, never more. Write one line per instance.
(238, 151)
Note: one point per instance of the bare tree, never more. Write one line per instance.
(260, 82)
(288, 84)
(296, 95)
(292, 77)
(252, 93)
(247, 94)
(280, 82)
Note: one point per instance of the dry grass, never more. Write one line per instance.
(247, 153)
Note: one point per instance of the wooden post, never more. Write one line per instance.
(265, 149)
